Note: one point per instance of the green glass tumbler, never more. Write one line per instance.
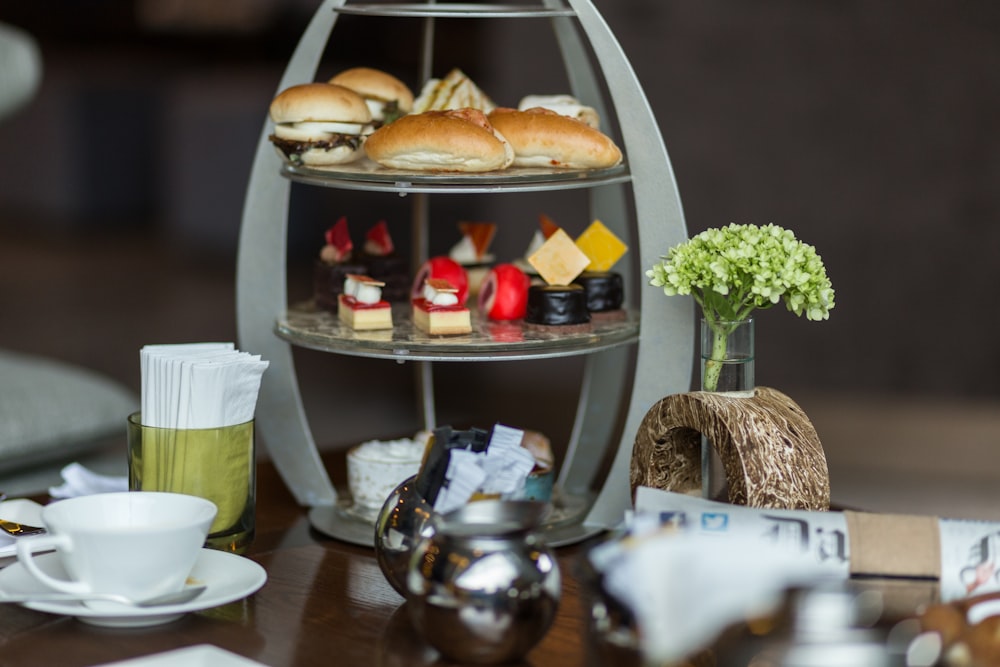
(218, 464)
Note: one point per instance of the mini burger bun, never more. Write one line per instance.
(438, 141)
(377, 85)
(542, 138)
(319, 102)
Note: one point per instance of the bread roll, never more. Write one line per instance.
(542, 138)
(440, 141)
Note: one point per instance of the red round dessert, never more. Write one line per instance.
(504, 294)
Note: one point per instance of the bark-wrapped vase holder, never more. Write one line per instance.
(769, 449)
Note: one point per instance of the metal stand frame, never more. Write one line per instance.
(609, 410)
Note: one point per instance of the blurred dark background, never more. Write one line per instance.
(870, 129)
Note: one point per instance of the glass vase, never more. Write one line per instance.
(727, 367)
(727, 357)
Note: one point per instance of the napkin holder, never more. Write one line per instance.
(769, 449)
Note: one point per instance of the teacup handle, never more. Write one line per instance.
(26, 549)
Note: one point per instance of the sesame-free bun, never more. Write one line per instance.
(440, 141)
(319, 124)
(542, 138)
(309, 102)
(377, 85)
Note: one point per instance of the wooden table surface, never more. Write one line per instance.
(325, 603)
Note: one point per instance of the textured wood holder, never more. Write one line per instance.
(770, 451)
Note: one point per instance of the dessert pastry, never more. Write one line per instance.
(605, 289)
(563, 306)
(382, 262)
(559, 260)
(546, 228)
(504, 294)
(444, 268)
(361, 306)
(438, 310)
(336, 260)
(605, 294)
(472, 252)
(376, 467)
(558, 303)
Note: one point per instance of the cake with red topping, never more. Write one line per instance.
(361, 306)
(381, 261)
(336, 260)
(438, 310)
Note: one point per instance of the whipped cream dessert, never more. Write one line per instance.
(376, 467)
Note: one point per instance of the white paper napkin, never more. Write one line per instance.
(198, 385)
(81, 481)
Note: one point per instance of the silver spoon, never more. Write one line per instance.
(177, 597)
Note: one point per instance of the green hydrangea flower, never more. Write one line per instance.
(737, 269)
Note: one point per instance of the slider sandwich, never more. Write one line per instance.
(320, 124)
(387, 97)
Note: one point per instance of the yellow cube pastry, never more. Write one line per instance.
(559, 260)
(601, 245)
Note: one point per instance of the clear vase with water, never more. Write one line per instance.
(727, 356)
(727, 367)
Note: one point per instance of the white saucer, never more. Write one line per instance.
(228, 577)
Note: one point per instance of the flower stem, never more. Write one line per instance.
(713, 365)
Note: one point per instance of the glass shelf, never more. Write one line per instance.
(306, 325)
(463, 10)
(367, 175)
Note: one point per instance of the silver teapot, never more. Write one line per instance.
(404, 520)
(481, 586)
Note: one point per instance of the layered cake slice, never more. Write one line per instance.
(438, 310)
(361, 306)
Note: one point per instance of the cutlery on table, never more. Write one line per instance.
(177, 597)
(15, 529)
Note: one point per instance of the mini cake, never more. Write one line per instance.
(605, 293)
(558, 303)
(376, 467)
(605, 289)
(546, 228)
(563, 306)
(381, 262)
(361, 306)
(438, 311)
(504, 294)
(336, 260)
(444, 268)
(472, 251)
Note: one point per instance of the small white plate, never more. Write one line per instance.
(228, 577)
(20, 510)
(202, 655)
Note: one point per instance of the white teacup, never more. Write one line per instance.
(136, 543)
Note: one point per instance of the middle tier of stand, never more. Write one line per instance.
(307, 326)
